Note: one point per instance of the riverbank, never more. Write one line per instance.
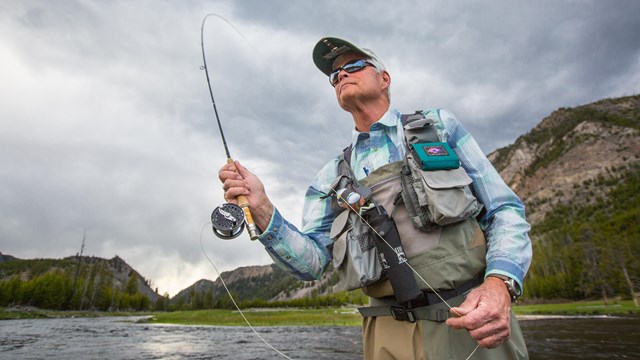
(575, 308)
(29, 312)
(344, 316)
(349, 316)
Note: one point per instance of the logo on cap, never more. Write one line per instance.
(335, 51)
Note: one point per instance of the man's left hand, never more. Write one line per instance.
(485, 313)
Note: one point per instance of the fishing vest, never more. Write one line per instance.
(434, 211)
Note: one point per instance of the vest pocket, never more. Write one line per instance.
(438, 197)
(355, 257)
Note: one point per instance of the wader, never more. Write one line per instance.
(450, 258)
(385, 338)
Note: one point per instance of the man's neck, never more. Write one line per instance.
(365, 117)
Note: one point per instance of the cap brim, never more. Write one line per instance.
(328, 49)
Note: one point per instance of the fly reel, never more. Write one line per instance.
(227, 221)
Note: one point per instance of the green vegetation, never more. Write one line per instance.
(250, 291)
(205, 299)
(330, 316)
(586, 252)
(262, 317)
(348, 316)
(595, 307)
(36, 313)
(69, 284)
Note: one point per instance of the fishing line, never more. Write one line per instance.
(235, 304)
(276, 135)
(225, 220)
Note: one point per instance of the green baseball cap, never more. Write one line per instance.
(329, 48)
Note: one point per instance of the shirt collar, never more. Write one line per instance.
(390, 119)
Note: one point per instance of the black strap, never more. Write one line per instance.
(347, 154)
(421, 310)
(407, 118)
(419, 133)
(404, 314)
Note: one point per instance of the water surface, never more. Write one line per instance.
(121, 338)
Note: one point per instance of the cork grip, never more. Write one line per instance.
(243, 202)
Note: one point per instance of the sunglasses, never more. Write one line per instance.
(351, 67)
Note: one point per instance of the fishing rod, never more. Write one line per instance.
(228, 220)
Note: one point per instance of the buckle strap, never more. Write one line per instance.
(424, 310)
(402, 314)
(431, 298)
(463, 289)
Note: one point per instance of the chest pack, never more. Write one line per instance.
(436, 190)
(428, 196)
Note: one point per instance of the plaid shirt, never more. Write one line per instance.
(306, 252)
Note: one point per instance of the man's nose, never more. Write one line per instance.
(342, 74)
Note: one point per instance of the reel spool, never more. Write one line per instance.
(227, 221)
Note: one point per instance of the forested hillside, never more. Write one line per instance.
(578, 173)
(76, 283)
(264, 286)
(590, 251)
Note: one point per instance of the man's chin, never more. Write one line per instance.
(344, 91)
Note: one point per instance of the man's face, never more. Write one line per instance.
(361, 85)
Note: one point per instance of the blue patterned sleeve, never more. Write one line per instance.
(506, 229)
(304, 253)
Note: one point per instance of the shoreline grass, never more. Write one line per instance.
(350, 316)
(594, 307)
(262, 317)
(23, 312)
(344, 316)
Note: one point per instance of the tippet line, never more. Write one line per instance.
(231, 297)
(334, 193)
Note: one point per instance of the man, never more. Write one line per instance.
(361, 85)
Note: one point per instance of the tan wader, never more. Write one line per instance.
(385, 338)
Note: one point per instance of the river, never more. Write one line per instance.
(122, 338)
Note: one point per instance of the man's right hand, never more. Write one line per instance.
(237, 180)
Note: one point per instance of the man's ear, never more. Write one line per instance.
(386, 79)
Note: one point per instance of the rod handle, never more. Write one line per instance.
(243, 202)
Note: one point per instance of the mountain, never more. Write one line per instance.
(548, 166)
(267, 282)
(578, 173)
(5, 258)
(77, 282)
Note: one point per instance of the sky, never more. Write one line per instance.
(108, 132)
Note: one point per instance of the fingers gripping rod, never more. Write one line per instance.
(242, 200)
